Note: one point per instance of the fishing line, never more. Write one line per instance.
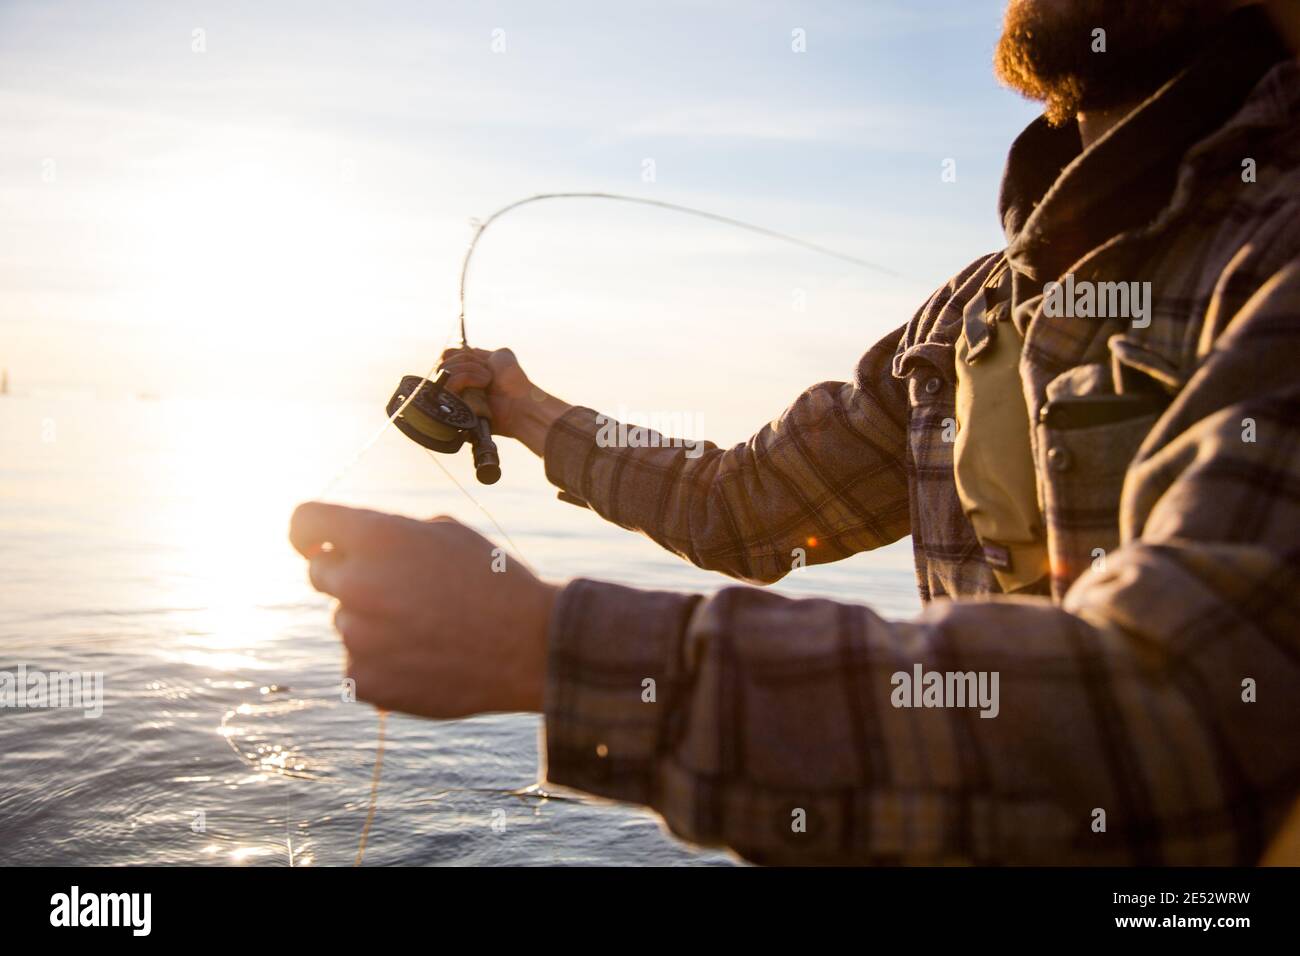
(404, 403)
(519, 554)
(374, 786)
(659, 204)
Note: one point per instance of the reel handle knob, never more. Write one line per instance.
(487, 463)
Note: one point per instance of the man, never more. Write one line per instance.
(1093, 438)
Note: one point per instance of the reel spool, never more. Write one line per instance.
(443, 421)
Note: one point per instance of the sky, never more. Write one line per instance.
(273, 197)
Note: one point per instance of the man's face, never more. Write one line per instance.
(1050, 49)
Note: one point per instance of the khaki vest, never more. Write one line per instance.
(992, 460)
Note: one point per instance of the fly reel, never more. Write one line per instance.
(443, 421)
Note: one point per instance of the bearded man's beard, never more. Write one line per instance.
(1048, 53)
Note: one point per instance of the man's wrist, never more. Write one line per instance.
(539, 411)
(607, 646)
(537, 652)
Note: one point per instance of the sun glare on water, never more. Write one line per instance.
(222, 506)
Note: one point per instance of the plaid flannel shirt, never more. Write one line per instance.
(1168, 463)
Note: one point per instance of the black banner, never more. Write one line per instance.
(327, 905)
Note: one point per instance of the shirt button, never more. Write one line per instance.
(1059, 459)
(933, 385)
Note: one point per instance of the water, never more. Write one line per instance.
(145, 540)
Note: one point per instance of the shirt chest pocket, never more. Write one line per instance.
(1085, 444)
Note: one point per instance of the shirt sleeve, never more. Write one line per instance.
(1150, 718)
(826, 477)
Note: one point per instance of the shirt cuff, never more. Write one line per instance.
(570, 443)
(615, 676)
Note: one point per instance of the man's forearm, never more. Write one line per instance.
(990, 732)
(825, 480)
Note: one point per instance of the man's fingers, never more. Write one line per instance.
(356, 582)
(462, 361)
(367, 681)
(463, 375)
(361, 633)
(460, 351)
(315, 524)
(325, 571)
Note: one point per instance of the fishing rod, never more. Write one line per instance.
(430, 414)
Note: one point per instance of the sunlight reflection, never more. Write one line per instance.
(223, 504)
(245, 853)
